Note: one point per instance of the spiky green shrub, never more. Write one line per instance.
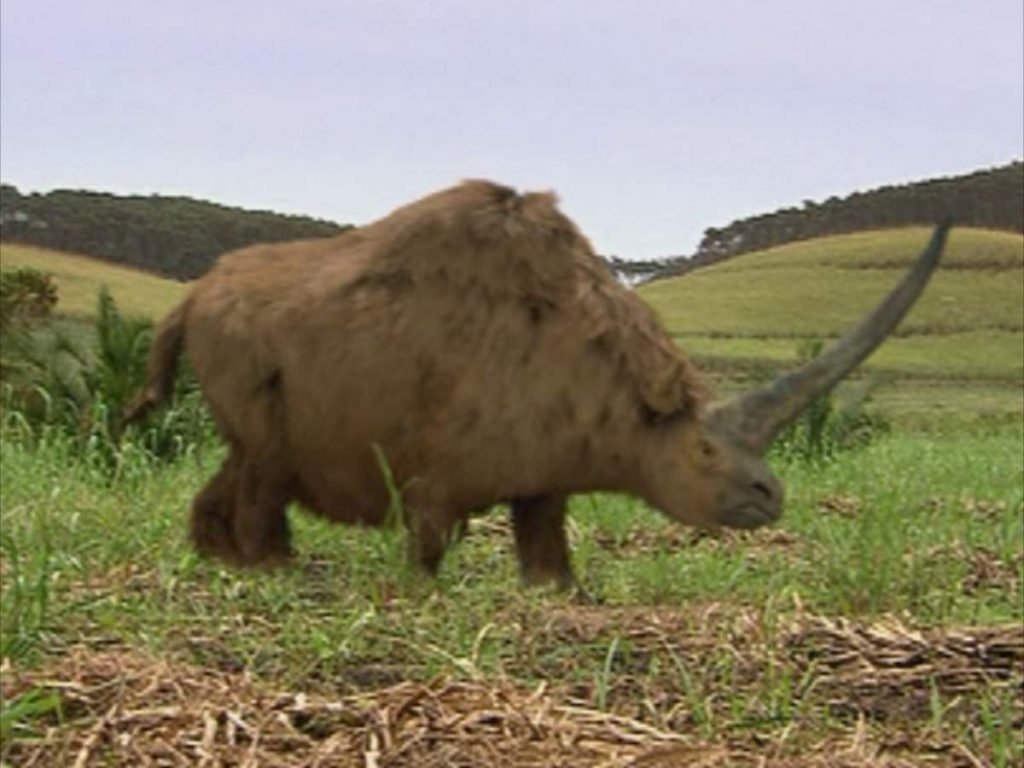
(79, 383)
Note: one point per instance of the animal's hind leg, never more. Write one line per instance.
(260, 522)
(213, 511)
(541, 542)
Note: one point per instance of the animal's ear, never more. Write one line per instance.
(667, 383)
(664, 381)
(664, 394)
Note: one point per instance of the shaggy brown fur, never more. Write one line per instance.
(473, 339)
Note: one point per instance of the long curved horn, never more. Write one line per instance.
(757, 417)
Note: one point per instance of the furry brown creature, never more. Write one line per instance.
(474, 343)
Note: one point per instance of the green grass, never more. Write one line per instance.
(925, 527)
(79, 279)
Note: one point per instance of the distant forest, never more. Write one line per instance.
(990, 199)
(174, 236)
(180, 237)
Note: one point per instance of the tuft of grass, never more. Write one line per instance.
(25, 597)
(18, 715)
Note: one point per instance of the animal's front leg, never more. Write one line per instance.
(541, 541)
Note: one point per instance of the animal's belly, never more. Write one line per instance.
(346, 509)
(342, 500)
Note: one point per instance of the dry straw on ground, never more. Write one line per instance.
(119, 707)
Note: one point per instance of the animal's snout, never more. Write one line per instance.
(754, 501)
(763, 489)
(768, 489)
(769, 492)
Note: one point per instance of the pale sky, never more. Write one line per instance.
(652, 120)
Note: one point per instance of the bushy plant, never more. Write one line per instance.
(26, 294)
(79, 383)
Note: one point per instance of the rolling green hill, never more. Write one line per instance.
(79, 279)
(962, 345)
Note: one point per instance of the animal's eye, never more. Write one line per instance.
(707, 450)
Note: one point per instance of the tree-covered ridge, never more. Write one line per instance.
(180, 237)
(988, 199)
(174, 236)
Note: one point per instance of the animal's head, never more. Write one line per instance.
(711, 468)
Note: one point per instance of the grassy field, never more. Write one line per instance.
(993, 355)
(880, 623)
(79, 279)
(819, 287)
(961, 346)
